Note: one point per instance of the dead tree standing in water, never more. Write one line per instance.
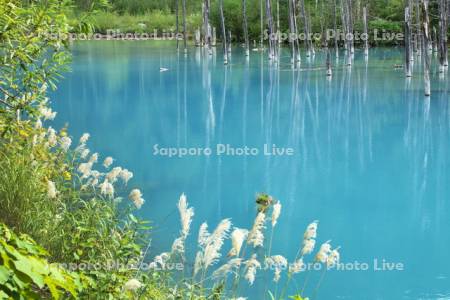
(291, 30)
(177, 23)
(408, 42)
(305, 21)
(271, 31)
(442, 40)
(184, 26)
(206, 26)
(425, 46)
(336, 45)
(366, 41)
(245, 24)
(224, 33)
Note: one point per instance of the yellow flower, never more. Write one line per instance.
(67, 175)
(23, 133)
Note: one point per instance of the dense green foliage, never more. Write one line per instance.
(25, 272)
(31, 57)
(160, 15)
(50, 191)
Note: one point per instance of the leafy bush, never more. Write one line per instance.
(25, 272)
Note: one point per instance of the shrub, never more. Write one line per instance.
(25, 272)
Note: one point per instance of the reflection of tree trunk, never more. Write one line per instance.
(407, 42)
(425, 43)
(245, 24)
(224, 33)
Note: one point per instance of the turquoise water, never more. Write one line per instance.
(371, 154)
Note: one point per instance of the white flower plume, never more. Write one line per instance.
(256, 235)
(276, 213)
(238, 237)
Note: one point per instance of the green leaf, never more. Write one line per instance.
(4, 274)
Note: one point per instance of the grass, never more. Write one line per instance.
(103, 21)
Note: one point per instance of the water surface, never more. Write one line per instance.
(370, 153)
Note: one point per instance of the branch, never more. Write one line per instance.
(6, 103)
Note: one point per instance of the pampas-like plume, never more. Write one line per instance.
(178, 246)
(311, 231)
(94, 158)
(210, 245)
(125, 175)
(211, 253)
(84, 138)
(297, 266)
(227, 268)
(276, 213)
(277, 263)
(135, 196)
(324, 252)
(108, 162)
(65, 143)
(186, 215)
(238, 237)
(198, 264)
(113, 174)
(106, 188)
(333, 258)
(251, 266)
(85, 169)
(51, 190)
(256, 235)
(308, 246)
(203, 235)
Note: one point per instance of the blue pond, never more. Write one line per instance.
(370, 155)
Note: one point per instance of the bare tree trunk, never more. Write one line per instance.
(366, 42)
(278, 22)
(350, 26)
(177, 4)
(206, 25)
(344, 23)
(328, 62)
(442, 40)
(224, 33)
(214, 37)
(198, 38)
(297, 42)
(336, 45)
(292, 33)
(408, 42)
(262, 23)
(271, 31)
(425, 43)
(229, 41)
(184, 26)
(419, 28)
(245, 24)
(306, 28)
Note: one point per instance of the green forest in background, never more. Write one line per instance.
(149, 15)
